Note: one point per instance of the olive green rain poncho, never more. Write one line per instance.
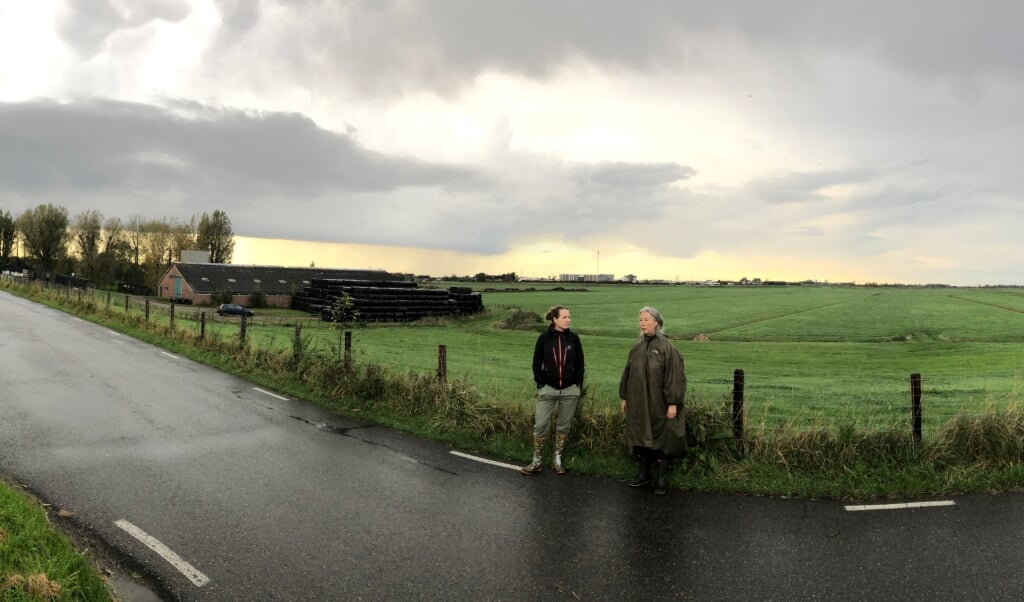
(654, 379)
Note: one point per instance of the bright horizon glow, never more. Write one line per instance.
(534, 260)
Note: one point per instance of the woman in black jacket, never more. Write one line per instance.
(558, 372)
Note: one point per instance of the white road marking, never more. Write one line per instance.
(484, 460)
(173, 357)
(902, 506)
(166, 553)
(116, 334)
(270, 394)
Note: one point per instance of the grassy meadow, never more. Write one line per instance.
(827, 377)
(809, 354)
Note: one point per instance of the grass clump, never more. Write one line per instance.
(36, 562)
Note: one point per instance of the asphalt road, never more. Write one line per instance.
(250, 496)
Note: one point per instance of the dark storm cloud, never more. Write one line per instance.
(279, 175)
(102, 144)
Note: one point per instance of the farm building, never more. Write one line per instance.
(200, 283)
(349, 295)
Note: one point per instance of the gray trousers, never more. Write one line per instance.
(549, 398)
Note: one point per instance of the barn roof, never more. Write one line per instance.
(272, 280)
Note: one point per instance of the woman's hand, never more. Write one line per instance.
(623, 407)
(671, 412)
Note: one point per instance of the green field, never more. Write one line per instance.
(808, 354)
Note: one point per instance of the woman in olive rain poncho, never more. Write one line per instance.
(652, 389)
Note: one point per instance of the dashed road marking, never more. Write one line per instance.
(116, 334)
(190, 572)
(170, 355)
(484, 460)
(270, 394)
(901, 506)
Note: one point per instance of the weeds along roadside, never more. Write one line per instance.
(969, 453)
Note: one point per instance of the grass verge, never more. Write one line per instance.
(39, 563)
(969, 453)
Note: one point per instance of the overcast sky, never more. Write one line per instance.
(831, 140)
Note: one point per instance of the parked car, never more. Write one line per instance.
(231, 309)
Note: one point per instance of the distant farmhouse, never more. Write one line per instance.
(201, 283)
(336, 295)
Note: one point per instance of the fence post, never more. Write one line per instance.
(442, 363)
(915, 405)
(126, 304)
(348, 352)
(147, 310)
(108, 300)
(172, 315)
(202, 325)
(297, 344)
(737, 406)
(242, 328)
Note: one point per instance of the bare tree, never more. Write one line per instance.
(87, 233)
(183, 237)
(45, 232)
(158, 244)
(214, 234)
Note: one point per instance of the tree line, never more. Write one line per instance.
(108, 251)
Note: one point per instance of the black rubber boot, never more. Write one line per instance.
(664, 476)
(643, 471)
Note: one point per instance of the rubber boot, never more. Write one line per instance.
(556, 462)
(643, 471)
(664, 475)
(536, 465)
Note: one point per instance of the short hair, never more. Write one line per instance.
(654, 314)
(553, 312)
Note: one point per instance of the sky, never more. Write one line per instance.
(867, 141)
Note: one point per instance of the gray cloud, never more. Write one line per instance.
(86, 24)
(389, 47)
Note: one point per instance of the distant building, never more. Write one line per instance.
(586, 277)
(199, 283)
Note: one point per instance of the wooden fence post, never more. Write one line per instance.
(442, 363)
(348, 352)
(915, 405)
(737, 406)
(242, 328)
(147, 310)
(108, 300)
(172, 316)
(202, 325)
(126, 304)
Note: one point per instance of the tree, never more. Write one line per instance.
(8, 232)
(214, 235)
(135, 236)
(87, 233)
(45, 232)
(158, 244)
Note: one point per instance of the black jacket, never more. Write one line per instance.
(558, 359)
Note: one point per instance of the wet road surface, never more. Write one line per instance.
(254, 497)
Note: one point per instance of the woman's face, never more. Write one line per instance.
(648, 325)
(562, 321)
